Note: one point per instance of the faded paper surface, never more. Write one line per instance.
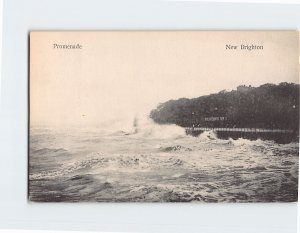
(117, 74)
(93, 137)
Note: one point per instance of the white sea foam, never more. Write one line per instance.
(148, 162)
(145, 127)
(208, 136)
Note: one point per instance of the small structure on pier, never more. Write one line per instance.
(218, 118)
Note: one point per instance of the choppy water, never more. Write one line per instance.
(158, 164)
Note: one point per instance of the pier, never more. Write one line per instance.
(277, 135)
(249, 130)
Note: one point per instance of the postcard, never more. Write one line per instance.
(163, 116)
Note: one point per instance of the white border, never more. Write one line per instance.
(22, 16)
(1, 17)
(245, 1)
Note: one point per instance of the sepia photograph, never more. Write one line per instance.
(163, 116)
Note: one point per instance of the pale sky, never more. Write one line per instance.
(120, 74)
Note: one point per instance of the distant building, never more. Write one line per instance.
(221, 118)
(244, 88)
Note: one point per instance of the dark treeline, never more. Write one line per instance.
(267, 106)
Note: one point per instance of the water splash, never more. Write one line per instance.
(208, 136)
(143, 126)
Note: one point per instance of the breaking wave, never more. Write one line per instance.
(208, 136)
(246, 142)
(145, 127)
(139, 160)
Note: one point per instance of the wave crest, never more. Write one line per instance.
(208, 136)
(145, 127)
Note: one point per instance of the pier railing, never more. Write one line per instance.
(250, 130)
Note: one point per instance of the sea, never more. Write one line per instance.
(147, 162)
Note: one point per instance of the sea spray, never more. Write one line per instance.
(208, 136)
(158, 163)
(143, 126)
